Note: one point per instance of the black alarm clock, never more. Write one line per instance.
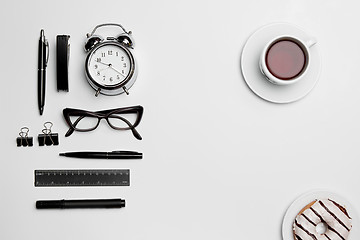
(110, 66)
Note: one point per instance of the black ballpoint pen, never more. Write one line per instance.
(85, 203)
(104, 155)
(42, 63)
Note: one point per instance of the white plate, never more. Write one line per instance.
(257, 82)
(302, 201)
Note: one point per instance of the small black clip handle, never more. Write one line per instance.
(24, 140)
(47, 138)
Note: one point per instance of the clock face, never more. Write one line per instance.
(109, 65)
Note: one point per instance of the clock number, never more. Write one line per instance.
(124, 64)
(111, 79)
(96, 66)
(117, 54)
(123, 72)
(109, 52)
(122, 58)
(98, 73)
(104, 77)
(117, 76)
(98, 59)
(102, 54)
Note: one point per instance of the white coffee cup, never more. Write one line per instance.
(288, 56)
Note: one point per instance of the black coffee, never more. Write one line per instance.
(285, 59)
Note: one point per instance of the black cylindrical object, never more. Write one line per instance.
(86, 203)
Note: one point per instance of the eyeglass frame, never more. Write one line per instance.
(104, 114)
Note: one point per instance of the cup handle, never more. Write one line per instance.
(311, 42)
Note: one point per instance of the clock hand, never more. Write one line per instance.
(116, 70)
(107, 64)
(111, 66)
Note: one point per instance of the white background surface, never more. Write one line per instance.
(219, 162)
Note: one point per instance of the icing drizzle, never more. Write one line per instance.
(327, 211)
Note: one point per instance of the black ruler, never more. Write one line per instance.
(82, 178)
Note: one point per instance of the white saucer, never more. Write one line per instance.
(302, 201)
(257, 82)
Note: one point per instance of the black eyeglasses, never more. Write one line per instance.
(126, 118)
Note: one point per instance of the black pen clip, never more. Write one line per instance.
(47, 51)
(128, 152)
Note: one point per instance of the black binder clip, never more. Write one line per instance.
(48, 138)
(24, 140)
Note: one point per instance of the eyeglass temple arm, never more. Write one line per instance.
(135, 109)
(133, 130)
(136, 133)
(72, 126)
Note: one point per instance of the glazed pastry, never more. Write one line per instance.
(333, 216)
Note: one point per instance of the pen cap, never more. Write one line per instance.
(49, 204)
